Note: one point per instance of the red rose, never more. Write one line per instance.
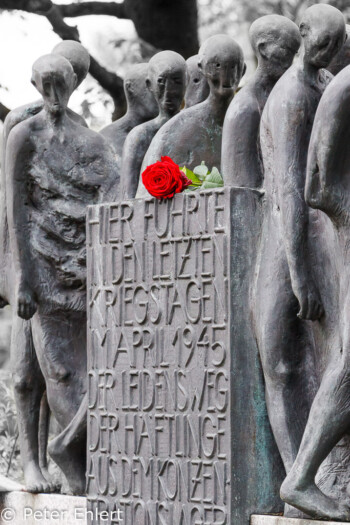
(164, 178)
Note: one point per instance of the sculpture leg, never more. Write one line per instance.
(63, 447)
(60, 341)
(328, 422)
(44, 428)
(29, 387)
(286, 351)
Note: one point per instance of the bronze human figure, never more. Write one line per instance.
(167, 82)
(286, 292)
(28, 380)
(141, 107)
(328, 189)
(275, 40)
(54, 169)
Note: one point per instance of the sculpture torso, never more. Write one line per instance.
(287, 120)
(15, 117)
(241, 154)
(68, 169)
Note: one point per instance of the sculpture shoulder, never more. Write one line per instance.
(20, 114)
(140, 134)
(182, 124)
(288, 99)
(23, 130)
(244, 104)
(116, 134)
(78, 119)
(91, 140)
(289, 90)
(19, 145)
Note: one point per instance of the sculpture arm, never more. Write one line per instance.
(290, 150)
(18, 153)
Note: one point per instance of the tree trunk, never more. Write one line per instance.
(166, 24)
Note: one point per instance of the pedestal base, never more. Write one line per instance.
(22, 508)
(278, 520)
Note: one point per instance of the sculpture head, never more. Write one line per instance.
(54, 78)
(77, 55)
(324, 33)
(197, 85)
(137, 95)
(167, 80)
(341, 59)
(275, 40)
(327, 176)
(222, 63)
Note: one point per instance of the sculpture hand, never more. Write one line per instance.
(26, 303)
(310, 302)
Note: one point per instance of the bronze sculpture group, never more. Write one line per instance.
(284, 133)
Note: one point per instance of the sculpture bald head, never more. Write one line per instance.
(222, 63)
(77, 55)
(197, 85)
(275, 40)
(54, 78)
(341, 59)
(137, 95)
(167, 80)
(323, 30)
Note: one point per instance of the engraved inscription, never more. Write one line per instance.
(159, 432)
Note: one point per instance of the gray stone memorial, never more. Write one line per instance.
(177, 426)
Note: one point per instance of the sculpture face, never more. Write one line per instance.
(197, 87)
(137, 94)
(323, 30)
(168, 86)
(221, 62)
(55, 80)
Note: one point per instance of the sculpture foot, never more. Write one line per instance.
(309, 498)
(54, 483)
(35, 481)
(292, 512)
(71, 466)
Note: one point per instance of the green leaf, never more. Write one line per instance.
(202, 171)
(215, 178)
(207, 185)
(190, 175)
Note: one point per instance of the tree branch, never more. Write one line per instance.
(65, 31)
(108, 80)
(93, 8)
